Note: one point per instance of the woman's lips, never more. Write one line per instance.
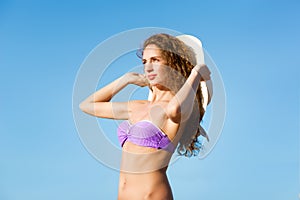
(151, 76)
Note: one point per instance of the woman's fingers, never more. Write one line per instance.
(204, 72)
(143, 80)
(138, 79)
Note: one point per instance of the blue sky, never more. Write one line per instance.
(255, 45)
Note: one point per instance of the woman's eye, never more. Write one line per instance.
(144, 62)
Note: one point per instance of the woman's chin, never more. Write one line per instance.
(152, 83)
(155, 84)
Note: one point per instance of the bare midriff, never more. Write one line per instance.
(150, 186)
(138, 182)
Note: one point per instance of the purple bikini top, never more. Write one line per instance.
(144, 133)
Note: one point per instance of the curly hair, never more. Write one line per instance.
(182, 59)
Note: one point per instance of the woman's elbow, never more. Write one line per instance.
(83, 106)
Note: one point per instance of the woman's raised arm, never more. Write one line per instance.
(99, 105)
(181, 105)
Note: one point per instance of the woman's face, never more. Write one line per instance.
(154, 65)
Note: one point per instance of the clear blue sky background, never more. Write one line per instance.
(254, 43)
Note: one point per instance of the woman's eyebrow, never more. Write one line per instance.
(155, 57)
(151, 58)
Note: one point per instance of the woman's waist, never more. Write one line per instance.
(157, 174)
(148, 182)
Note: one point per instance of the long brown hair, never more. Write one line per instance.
(182, 59)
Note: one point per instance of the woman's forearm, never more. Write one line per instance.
(106, 93)
(181, 104)
(99, 104)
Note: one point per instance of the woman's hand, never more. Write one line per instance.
(203, 70)
(136, 79)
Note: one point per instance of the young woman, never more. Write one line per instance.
(153, 129)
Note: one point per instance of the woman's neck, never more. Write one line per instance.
(161, 94)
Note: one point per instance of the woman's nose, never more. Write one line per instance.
(148, 67)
